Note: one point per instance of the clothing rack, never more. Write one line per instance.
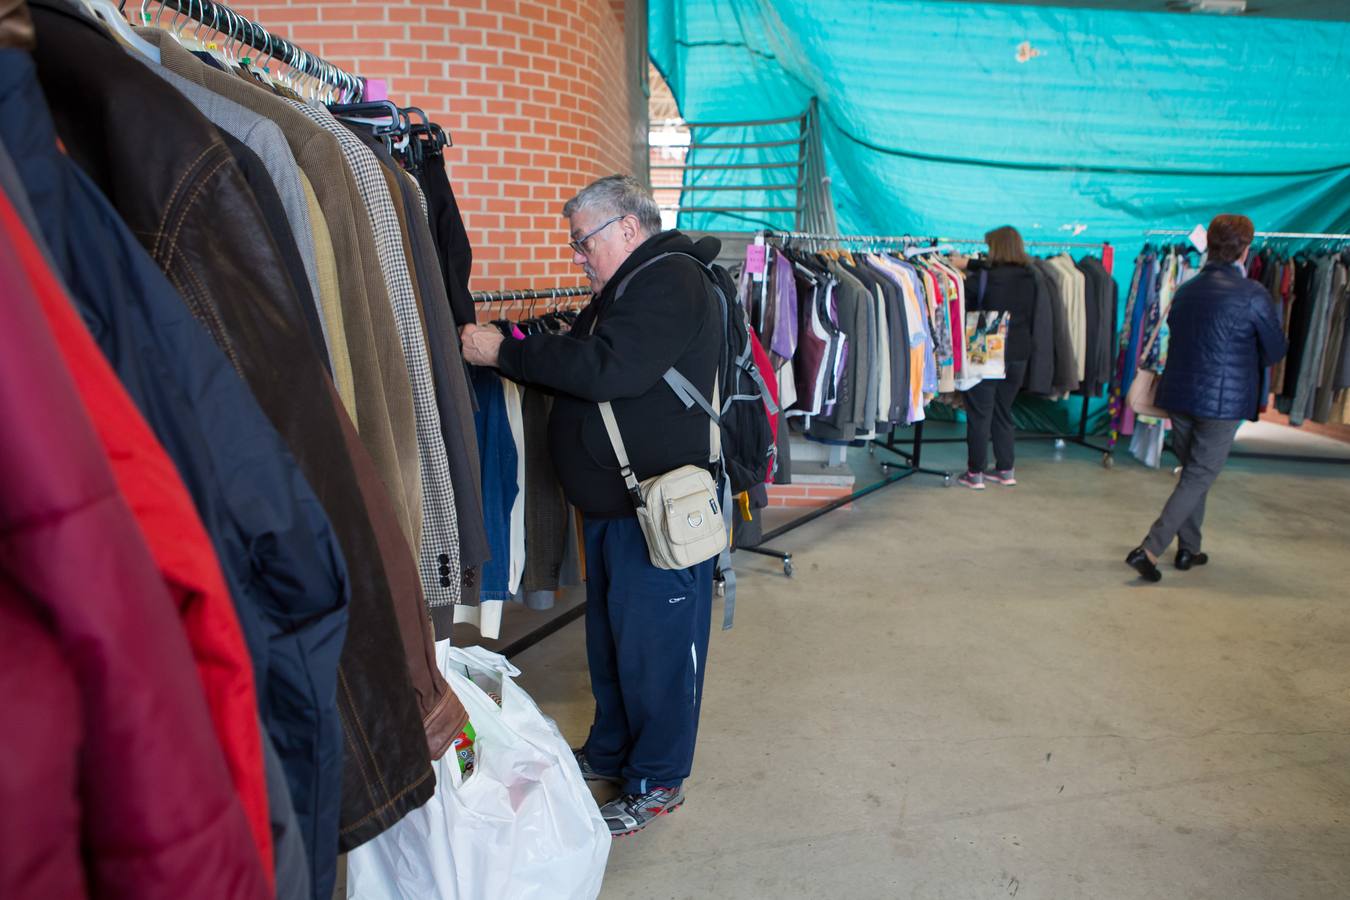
(1269, 236)
(546, 294)
(562, 620)
(892, 473)
(913, 456)
(910, 239)
(1266, 235)
(245, 31)
(1081, 436)
(1107, 256)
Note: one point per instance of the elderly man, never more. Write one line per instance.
(646, 628)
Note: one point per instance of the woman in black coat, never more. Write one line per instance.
(1001, 282)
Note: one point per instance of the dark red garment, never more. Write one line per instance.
(764, 365)
(40, 775)
(174, 534)
(158, 815)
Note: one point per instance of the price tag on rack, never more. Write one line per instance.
(1200, 238)
(756, 255)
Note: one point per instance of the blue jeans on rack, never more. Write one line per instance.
(647, 645)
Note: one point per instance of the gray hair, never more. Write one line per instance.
(618, 195)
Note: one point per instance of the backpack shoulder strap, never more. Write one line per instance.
(682, 386)
(623, 285)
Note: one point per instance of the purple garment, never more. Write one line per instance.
(784, 342)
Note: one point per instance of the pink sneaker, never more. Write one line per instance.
(972, 480)
(1005, 477)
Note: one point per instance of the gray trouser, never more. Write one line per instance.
(1202, 445)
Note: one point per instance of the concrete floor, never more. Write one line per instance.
(966, 695)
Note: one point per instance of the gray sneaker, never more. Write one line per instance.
(972, 480)
(630, 813)
(589, 774)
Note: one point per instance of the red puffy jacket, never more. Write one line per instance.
(158, 814)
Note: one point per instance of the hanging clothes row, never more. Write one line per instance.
(532, 529)
(1310, 287)
(863, 341)
(1143, 341)
(1081, 297)
(858, 342)
(265, 427)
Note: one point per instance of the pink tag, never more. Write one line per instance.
(517, 333)
(754, 259)
(376, 89)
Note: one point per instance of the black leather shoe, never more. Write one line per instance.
(1186, 559)
(1139, 561)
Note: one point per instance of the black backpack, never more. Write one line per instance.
(748, 451)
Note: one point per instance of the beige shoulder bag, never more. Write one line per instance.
(678, 511)
(1143, 394)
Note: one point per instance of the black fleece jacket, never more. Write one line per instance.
(666, 317)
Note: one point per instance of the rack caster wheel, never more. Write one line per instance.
(787, 568)
(1108, 461)
(947, 480)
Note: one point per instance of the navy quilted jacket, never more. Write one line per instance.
(1225, 331)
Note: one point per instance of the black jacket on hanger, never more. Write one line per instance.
(452, 241)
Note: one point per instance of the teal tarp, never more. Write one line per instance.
(951, 118)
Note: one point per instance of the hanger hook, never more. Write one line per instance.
(227, 42)
(242, 41)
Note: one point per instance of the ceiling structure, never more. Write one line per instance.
(1324, 10)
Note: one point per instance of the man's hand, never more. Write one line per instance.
(480, 344)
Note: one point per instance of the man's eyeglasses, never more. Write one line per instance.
(579, 245)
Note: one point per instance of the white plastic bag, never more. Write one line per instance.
(522, 824)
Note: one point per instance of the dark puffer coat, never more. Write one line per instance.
(1225, 331)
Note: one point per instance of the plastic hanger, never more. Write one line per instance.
(111, 15)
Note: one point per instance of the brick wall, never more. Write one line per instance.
(534, 93)
(806, 496)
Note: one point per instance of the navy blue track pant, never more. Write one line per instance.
(647, 643)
